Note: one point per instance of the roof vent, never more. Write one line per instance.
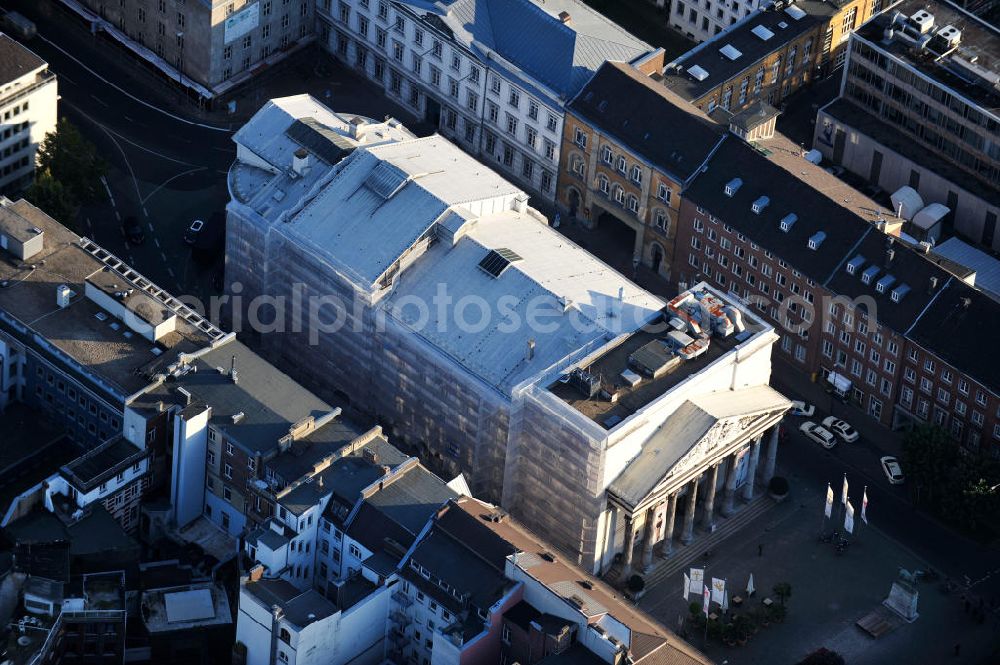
(549, 556)
(788, 221)
(565, 18)
(730, 52)
(817, 239)
(868, 275)
(855, 264)
(237, 417)
(733, 186)
(900, 292)
(883, 284)
(759, 205)
(951, 35)
(576, 600)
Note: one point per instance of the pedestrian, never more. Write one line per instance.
(958, 648)
(760, 550)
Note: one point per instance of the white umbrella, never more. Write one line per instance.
(750, 588)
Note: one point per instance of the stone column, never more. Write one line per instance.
(687, 535)
(647, 543)
(629, 542)
(772, 456)
(708, 520)
(668, 526)
(752, 470)
(729, 493)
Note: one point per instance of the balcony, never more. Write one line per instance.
(399, 618)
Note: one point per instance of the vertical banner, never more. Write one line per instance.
(864, 506)
(718, 590)
(828, 510)
(705, 599)
(849, 518)
(687, 586)
(843, 492)
(750, 587)
(697, 579)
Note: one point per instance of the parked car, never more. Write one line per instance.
(892, 470)
(841, 428)
(802, 409)
(132, 230)
(191, 235)
(818, 434)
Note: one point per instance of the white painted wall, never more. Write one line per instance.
(187, 490)
(253, 629)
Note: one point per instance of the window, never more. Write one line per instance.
(530, 136)
(636, 175)
(227, 471)
(606, 155)
(580, 138)
(963, 386)
(505, 634)
(511, 124)
(622, 166)
(355, 551)
(227, 493)
(515, 98)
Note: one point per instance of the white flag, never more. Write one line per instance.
(750, 589)
(687, 586)
(705, 599)
(718, 590)
(697, 579)
(864, 506)
(849, 518)
(725, 602)
(843, 493)
(828, 510)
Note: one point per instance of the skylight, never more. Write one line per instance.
(699, 73)
(497, 260)
(730, 52)
(762, 32)
(795, 12)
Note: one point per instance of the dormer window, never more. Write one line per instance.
(855, 264)
(883, 284)
(899, 292)
(733, 186)
(759, 205)
(788, 221)
(869, 275)
(816, 240)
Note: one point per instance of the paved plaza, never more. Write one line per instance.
(829, 593)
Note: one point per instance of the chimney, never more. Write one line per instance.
(565, 18)
(300, 161)
(933, 284)
(232, 370)
(531, 349)
(319, 480)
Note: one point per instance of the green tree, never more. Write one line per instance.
(783, 590)
(72, 160)
(51, 196)
(929, 462)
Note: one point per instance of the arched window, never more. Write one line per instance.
(285, 636)
(661, 220)
(576, 164)
(618, 193)
(621, 164)
(633, 203)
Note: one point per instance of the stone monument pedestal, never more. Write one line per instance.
(903, 600)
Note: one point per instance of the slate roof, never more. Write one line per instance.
(16, 60)
(530, 35)
(647, 118)
(411, 499)
(301, 608)
(847, 236)
(752, 48)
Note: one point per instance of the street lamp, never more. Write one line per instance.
(180, 60)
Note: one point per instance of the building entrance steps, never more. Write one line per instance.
(692, 554)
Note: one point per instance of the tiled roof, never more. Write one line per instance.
(622, 102)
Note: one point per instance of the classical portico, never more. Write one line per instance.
(712, 444)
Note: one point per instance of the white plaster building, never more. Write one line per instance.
(703, 20)
(402, 234)
(492, 75)
(28, 100)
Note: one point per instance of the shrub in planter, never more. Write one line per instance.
(729, 635)
(636, 584)
(777, 613)
(778, 487)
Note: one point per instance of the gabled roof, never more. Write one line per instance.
(647, 118)
(531, 36)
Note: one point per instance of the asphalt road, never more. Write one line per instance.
(163, 169)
